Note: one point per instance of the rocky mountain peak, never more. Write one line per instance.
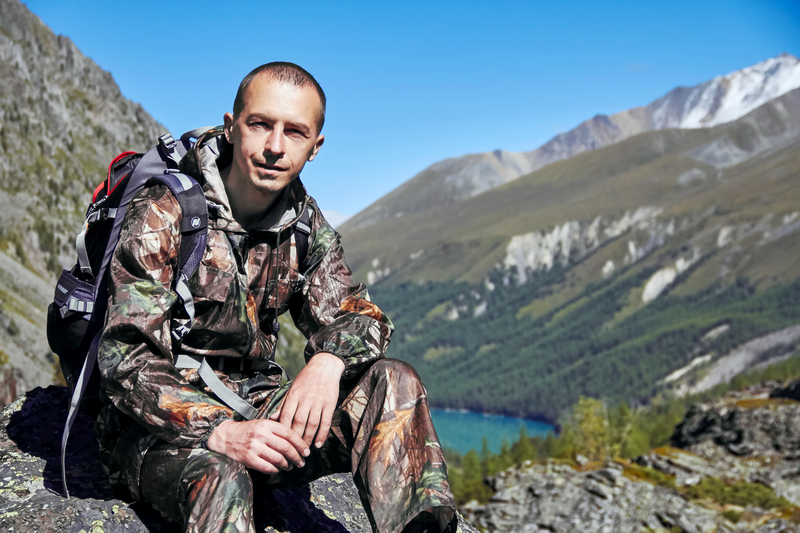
(718, 101)
(726, 98)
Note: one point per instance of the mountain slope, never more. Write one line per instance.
(718, 101)
(62, 120)
(652, 175)
(600, 275)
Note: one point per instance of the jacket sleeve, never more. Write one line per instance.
(135, 352)
(335, 313)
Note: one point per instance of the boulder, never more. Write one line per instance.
(763, 423)
(561, 498)
(30, 483)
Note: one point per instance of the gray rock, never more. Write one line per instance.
(30, 484)
(559, 498)
(743, 426)
(744, 436)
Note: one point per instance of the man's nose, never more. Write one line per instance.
(275, 143)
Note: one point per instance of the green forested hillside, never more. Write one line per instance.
(600, 275)
(526, 366)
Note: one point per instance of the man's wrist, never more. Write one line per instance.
(215, 440)
(329, 362)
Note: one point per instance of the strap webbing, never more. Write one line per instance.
(77, 394)
(195, 133)
(301, 237)
(168, 146)
(227, 396)
(83, 255)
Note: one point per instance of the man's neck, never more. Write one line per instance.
(248, 207)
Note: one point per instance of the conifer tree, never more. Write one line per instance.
(523, 449)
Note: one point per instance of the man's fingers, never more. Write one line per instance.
(277, 414)
(301, 418)
(312, 425)
(324, 427)
(262, 465)
(288, 410)
(295, 441)
(275, 458)
(291, 448)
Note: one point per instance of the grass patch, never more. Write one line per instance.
(435, 353)
(437, 311)
(486, 348)
(733, 515)
(633, 304)
(740, 493)
(757, 403)
(636, 472)
(13, 304)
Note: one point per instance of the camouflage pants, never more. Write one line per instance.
(381, 432)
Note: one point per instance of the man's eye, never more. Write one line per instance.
(295, 132)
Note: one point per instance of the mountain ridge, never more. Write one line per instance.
(717, 101)
(599, 275)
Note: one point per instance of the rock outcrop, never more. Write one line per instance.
(748, 441)
(62, 120)
(30, 484)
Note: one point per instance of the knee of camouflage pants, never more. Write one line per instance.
(400, 370)
(203, 490)
(397, 458)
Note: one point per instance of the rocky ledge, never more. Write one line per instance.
(30, 484)
(734, 466)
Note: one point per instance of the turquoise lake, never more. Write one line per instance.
(464, 430)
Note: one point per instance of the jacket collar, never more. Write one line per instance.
(203, 162)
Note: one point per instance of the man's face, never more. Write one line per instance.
(274, 135)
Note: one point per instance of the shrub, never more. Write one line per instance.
(733, 515)
(740, 493)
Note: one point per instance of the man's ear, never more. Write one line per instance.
(227, 120)
(317, 146)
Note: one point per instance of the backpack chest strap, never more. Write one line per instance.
(206, 373)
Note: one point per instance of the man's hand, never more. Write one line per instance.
(309, 405)
(263, 445)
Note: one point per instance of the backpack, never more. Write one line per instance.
(76, 317)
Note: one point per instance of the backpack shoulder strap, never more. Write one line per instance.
(194, 229)
(194, 234)
(302, 232)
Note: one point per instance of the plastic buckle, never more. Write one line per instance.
(179, 333)
(167, 142)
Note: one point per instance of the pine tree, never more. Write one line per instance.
(504, 460)
(523, 449)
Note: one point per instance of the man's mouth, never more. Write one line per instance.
(273, 168)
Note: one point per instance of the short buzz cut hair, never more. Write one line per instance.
(284, 72)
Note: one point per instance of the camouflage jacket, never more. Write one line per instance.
(243, 280)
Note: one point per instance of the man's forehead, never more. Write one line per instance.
(265, 82)
(265, 79)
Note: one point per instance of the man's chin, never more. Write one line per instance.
(272, 184)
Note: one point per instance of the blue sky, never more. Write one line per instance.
(411, 83)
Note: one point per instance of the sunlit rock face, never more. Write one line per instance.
(541, 250)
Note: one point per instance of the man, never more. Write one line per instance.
(164, 434)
